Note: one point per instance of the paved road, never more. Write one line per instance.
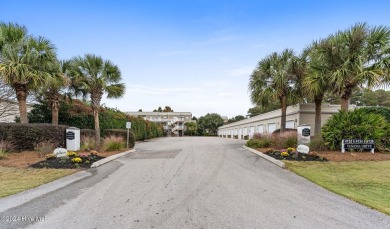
(194, 183)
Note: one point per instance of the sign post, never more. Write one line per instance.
(128, 126)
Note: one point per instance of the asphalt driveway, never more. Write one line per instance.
(193, 182)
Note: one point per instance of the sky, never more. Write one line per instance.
(192, 55)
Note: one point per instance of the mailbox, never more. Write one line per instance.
(73, 139)
(303, 134)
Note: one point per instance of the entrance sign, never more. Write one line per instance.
(72, 139)
(303, 134)
(357, 144)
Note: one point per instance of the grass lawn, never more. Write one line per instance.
(366, 182)
(14, 180)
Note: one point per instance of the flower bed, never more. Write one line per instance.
(291, 154)
(70, 161)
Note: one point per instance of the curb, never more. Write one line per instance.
(266, 157)
(110, 158)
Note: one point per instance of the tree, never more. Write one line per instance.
(192, 128)
(157, 110)
(236, 119)
(316, 83)
(54, 90)
(277, 77)
(167, 109)
(23, 61)
(357, 56)
(210, 123)
(95, 76)
(140, 110)
(367, 97)
(257, 110)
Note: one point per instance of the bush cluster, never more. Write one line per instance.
(284, 140)
(356, 124)
(26, 136)
(121, 133)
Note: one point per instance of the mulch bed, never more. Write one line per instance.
(296, 157)
(66, 163)
(337, 156)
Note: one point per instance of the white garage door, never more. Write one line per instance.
(251, 131)
(290, 124)
(260, 129)
(271, 127)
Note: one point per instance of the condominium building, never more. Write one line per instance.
(173, 122)
(267, 123)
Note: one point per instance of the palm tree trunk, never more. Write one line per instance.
(283, 102)
(54, 99)
(97, 128)
(317, 120)
(21, 95)
(344, 100)
(95, 99)
(54, 112)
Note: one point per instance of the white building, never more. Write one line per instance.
(267, 123)
(9, 110)
(173, 122)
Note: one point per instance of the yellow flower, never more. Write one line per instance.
(71, 154)
(77, 160)
(284, 154)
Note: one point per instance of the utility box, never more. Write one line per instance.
(303, 132)
(73, 139)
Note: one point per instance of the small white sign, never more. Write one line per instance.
(128, 125)
(303, 149)
(60, 152)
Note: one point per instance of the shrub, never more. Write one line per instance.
(2, 153)
(44, 147)
(87, 133)
(87, 143)
(356, 124)
(121, 133)
(286, 139)
(384, 111)
(24, 136)
(112, 143)
(317, 144)
(263, 142)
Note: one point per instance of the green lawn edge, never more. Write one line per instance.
(367, 183)
(16, 180)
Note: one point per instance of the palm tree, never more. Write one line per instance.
(277, 77)
(359, 56)
(23, 60)
(316, 83)
(53, 91)
(94, 76)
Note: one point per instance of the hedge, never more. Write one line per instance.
(25, 136)
(122, 133)
(78, 114)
